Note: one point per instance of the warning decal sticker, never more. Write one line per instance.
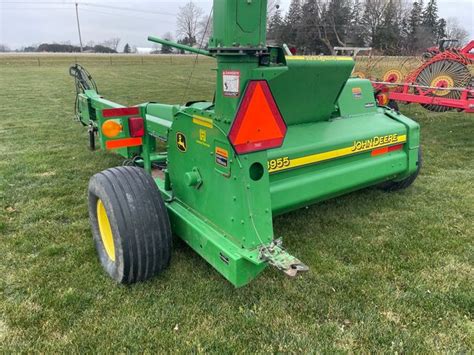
(357, 93)
(222, 156)
(231, 83)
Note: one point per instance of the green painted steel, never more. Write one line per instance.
(238, 25)
(222, 203)
(310, 85)
(309, 183)
(178, 45)
(356, 98)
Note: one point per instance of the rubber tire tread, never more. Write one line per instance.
(393, 105)
(391, 186)
(139, 221)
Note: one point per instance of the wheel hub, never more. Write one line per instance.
(442, 81)
(393, 76)
(105, 230)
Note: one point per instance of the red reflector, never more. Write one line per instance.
(384, 150)
(122, 143)
(122, 111)
(382, 99)
(258, 124)
(136, 126)
(379, 151)
(395, 147)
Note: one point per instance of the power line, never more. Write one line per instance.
(36, 8)
(129, 9)
(87, 10)
(196, 57)
(38, 2)
(121, 15)
(110, 7)
(68, 2)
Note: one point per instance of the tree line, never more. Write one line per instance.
(390, 27)
(108, 46)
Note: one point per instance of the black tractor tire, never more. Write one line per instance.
(393, 105)
(426, 56)
(130, 224)
(390, 186)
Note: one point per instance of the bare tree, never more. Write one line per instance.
(187, 22)
(4, 48)
(314, 29)
(455, 31)
(205, 30)
(168, 36)
(272, 6)
(112, 43)
(373, 16)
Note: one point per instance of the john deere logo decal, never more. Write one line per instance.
(181, 141)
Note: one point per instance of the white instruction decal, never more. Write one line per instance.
(231, 82)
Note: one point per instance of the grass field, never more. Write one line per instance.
(389, 272)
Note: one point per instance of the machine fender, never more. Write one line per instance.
(412, 144)
(413, 128)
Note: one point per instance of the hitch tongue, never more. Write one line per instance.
(275, 255)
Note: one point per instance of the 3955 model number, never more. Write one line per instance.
(278, 163)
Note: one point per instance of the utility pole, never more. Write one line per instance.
(78, 26)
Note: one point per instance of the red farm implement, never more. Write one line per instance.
(441, 83)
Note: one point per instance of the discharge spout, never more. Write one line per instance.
(178, 46)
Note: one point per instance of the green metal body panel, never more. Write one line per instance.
(239, 23)
(356, 98)
(309, 89)
(240, 206)
(238, 265)
(159, 118)
(222, 203)
(306, 184)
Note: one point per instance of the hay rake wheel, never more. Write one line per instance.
(375, 67)
(368, 68)
(393, 76)
(358, 74)
(410, 63)
(442, 82)
(447, 75)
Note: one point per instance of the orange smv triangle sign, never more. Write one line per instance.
(258, 124)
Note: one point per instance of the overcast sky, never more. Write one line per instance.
(32, 22)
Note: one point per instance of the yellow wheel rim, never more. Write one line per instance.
(105, 230)
(445, 80)
(393, 76)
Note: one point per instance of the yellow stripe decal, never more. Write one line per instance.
(285, 163)
(203, 121)
(321, 58)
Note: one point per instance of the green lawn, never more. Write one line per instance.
(388, 272)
